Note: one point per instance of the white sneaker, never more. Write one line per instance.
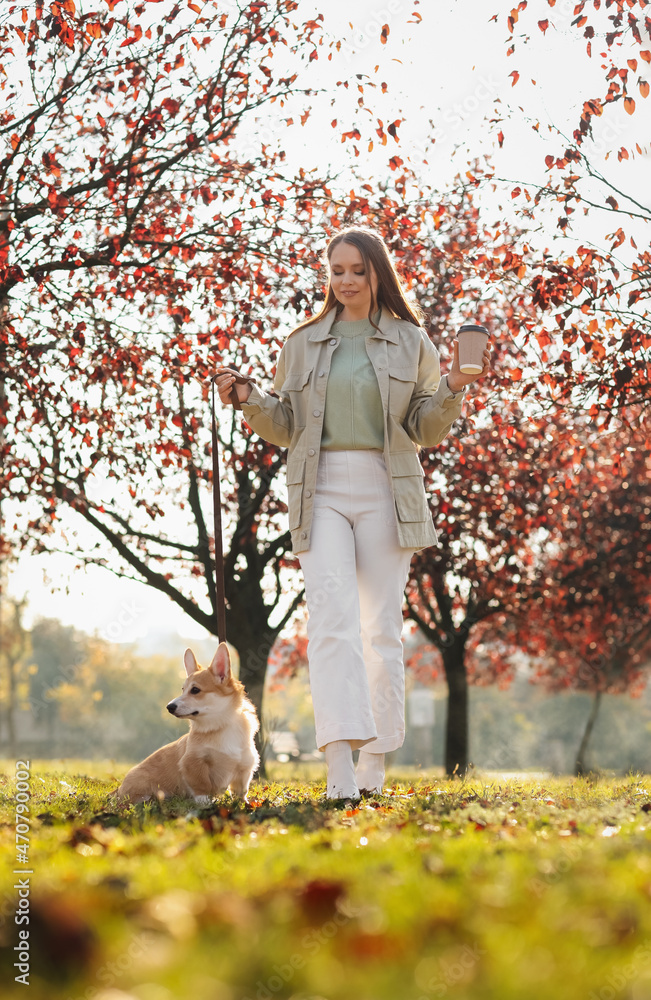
(341, 782)
(370, 772)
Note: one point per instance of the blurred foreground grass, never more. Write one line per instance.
(509, 888)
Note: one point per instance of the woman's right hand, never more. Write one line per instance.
(225, 380)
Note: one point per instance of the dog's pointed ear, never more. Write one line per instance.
(221, 663)
(190, 662)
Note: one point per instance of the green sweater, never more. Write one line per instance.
(353, 417)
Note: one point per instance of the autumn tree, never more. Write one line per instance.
(588, 627)
(490, 489)
(541, 557)
(591, 289)
(144, 240)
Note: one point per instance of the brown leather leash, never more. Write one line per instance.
(220, 586)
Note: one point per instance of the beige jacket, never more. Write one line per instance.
(418, 410)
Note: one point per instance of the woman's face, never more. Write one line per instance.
(350, 283)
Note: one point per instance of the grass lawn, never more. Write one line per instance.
(501, 888)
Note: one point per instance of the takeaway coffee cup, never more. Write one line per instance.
(472, 342)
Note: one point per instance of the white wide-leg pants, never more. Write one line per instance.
(355, 575)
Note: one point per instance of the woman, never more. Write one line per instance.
(359, 387)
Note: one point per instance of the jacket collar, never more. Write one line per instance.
(388, 324)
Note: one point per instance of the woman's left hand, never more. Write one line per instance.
(458, 380)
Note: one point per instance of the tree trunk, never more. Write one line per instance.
(579, 764)
(253, 646)
(456, 734)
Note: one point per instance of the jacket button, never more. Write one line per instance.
(321, 374)
(333, 341)
(316, 413)
(308, 493)
(311, 451)
(303, 534)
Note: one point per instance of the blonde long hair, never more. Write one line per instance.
(390, 293)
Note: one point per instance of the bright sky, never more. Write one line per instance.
(450, 70)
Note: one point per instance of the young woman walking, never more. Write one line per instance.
(358, 388)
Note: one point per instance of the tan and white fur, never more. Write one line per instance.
(219, 751)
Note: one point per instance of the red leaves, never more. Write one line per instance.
(618, 238)
(171, 105)
(500, 138)
(516, 77)
(644, 88)
(629, 105)
(515, 14)
(593, 107)
(56, 200)
(543, 25)
(137, 35)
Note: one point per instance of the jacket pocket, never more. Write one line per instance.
(402, 382)
(295, 481)
(295, 381)
(408, 487)
(295, 388)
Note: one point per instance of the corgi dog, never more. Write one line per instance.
(219, 751)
